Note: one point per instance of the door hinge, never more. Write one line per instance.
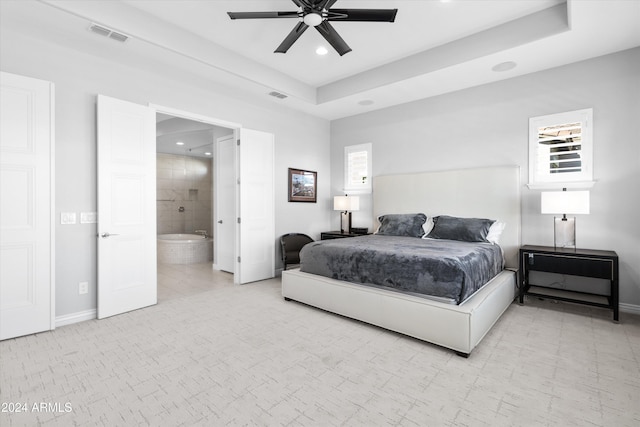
(238, 259)
(238, 220)
(238, 141)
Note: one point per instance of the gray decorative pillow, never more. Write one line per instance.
(464, 229)
(402, 225)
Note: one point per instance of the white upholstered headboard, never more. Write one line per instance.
(491, 192)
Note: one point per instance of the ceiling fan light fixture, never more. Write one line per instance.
(322, 50)
(312, 19)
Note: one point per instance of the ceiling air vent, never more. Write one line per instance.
(107, 32)
(278, 95)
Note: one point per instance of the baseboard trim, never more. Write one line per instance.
(81, 316)
(629, 308)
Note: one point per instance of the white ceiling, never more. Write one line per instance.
(176, 135)
(433, 47)
(419, 25)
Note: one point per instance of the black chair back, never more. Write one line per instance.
(291, 245)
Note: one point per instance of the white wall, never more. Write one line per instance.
(301, 141)
(488, 125)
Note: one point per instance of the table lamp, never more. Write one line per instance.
(346, 204)
(564, 202)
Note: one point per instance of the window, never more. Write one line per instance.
(357, 168)
(560, 150)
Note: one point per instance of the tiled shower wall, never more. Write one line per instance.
(184, 182)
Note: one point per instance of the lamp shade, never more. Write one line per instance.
(346, 203)
(564, 202)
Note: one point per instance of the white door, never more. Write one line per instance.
(256, 248)
(127, 276)
(26, 206)
(224, 222)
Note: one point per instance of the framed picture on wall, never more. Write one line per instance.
(303, 185)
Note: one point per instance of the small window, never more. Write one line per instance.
(560, 150)
(357, 168)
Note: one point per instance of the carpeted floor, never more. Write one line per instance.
(214, 354)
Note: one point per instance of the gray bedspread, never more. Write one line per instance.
(447, 269)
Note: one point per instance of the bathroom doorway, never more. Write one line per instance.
(185, 199)
(253, 224)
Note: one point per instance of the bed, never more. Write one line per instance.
(492, 193)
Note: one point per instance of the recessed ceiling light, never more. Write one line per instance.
(504, 66)
(365, 102)
(179, 143)
(322, 50)
(207, 153)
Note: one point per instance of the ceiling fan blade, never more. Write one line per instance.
(292, 37)
(261, 15)
(370, 15)
(334, 39)
(305, 4)
(325, 4)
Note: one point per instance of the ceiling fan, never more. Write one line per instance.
(318, 13)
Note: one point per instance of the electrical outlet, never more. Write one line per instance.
(83, 288)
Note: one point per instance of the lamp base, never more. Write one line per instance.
(564, 232)
(345, 222)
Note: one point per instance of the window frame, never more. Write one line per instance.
(578, 179)
(349, 186)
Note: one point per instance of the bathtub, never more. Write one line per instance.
(184, 249)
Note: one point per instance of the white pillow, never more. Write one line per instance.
(495, 231)
(427, 226)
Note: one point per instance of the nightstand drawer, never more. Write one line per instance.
(572, 265)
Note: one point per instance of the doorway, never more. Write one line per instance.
(251, 231)
(186, 200)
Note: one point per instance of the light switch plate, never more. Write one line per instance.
(67, 218)
(88, 217)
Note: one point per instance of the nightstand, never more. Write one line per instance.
(576, 262)
(328, 235)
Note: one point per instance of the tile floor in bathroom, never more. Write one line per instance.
(177, 281)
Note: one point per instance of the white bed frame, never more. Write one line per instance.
(492, 192)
